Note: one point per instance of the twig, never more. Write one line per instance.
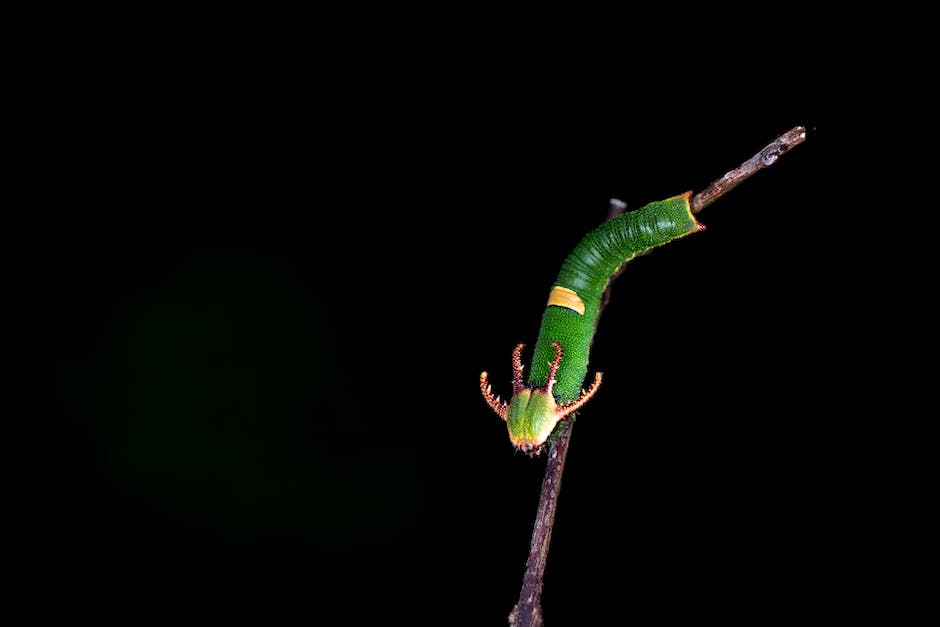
(766, 157)
(528, 611)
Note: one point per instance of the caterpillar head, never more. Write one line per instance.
(533, 413)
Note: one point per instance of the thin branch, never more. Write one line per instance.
(528, 611)
(765, 158)
(615, 207)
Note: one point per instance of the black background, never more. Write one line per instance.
(266, 286)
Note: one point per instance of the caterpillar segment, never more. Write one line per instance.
(555, 386)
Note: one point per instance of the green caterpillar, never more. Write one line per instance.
(559, 363)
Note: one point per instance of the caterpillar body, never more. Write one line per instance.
(553, 390)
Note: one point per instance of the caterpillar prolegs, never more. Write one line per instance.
(560, 358)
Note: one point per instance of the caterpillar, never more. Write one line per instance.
(554, 389)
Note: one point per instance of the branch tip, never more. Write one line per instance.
(767, 156)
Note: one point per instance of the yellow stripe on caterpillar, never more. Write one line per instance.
(563, 297)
